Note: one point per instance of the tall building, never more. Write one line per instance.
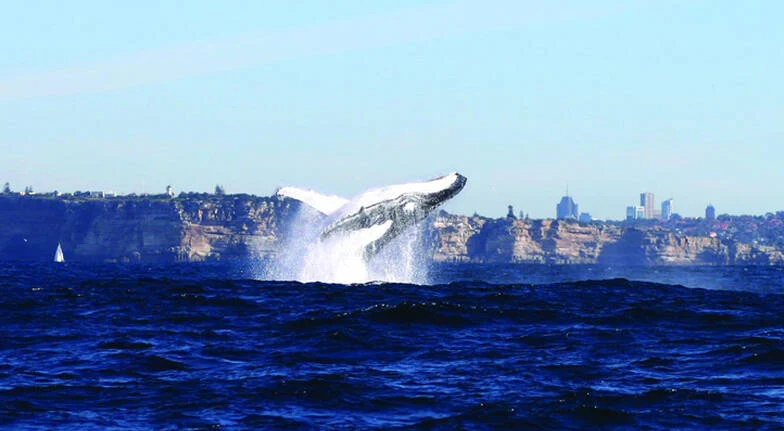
(585, 218)
(667, 209)
(635, 212)
(710, 212)
(510, 214)
(647, 202)
(566, 209)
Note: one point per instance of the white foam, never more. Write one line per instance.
(340, 258)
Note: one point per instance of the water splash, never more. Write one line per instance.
(305, 257)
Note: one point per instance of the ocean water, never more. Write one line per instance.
(197, 346)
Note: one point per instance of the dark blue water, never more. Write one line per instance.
(531, 347)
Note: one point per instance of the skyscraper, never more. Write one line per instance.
(710, 212)
(566, 209)
(667, 209)
(647, 202)
(631, 212)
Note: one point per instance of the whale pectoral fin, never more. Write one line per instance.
(325, 204)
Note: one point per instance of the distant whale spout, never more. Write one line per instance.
(377, 216)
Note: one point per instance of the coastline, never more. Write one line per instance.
(196, 227)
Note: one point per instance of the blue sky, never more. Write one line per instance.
(613, 98)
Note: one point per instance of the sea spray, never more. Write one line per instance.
(306, 257)
(403, 259)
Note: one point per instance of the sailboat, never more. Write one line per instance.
(58, 254)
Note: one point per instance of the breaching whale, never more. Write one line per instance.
(377, 216)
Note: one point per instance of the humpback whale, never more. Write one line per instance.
(376, 217)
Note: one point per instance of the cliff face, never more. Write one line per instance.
(510, 240)
(141, 229)
(457, 238)
(200, 227)
(29, 228)
(449, 237)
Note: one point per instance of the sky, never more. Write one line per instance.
(526, 98)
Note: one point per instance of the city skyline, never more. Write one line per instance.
(152, 191)
(567, 208)
(520, 97)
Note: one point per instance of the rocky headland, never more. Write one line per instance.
(198, 227)
(734, 241)
(192, 227)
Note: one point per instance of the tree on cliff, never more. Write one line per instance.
(7, 188)
(219, 190)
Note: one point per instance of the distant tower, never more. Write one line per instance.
(710, 212)
(667, 209)
(566, 209)
(510, 214)
(170, 191)
(647, 202)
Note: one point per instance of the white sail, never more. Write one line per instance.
(58, 254)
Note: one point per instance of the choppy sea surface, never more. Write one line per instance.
(197, 346)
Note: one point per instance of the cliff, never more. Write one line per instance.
(477, 239)
(196, 227)
(146, 229)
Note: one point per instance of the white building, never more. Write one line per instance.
(647, 202)
(635, 212)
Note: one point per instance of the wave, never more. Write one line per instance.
(201, 349)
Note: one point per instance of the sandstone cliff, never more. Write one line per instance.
(477, 239)
(154, 229)
(196, 227)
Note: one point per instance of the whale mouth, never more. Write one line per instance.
(437, 198)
